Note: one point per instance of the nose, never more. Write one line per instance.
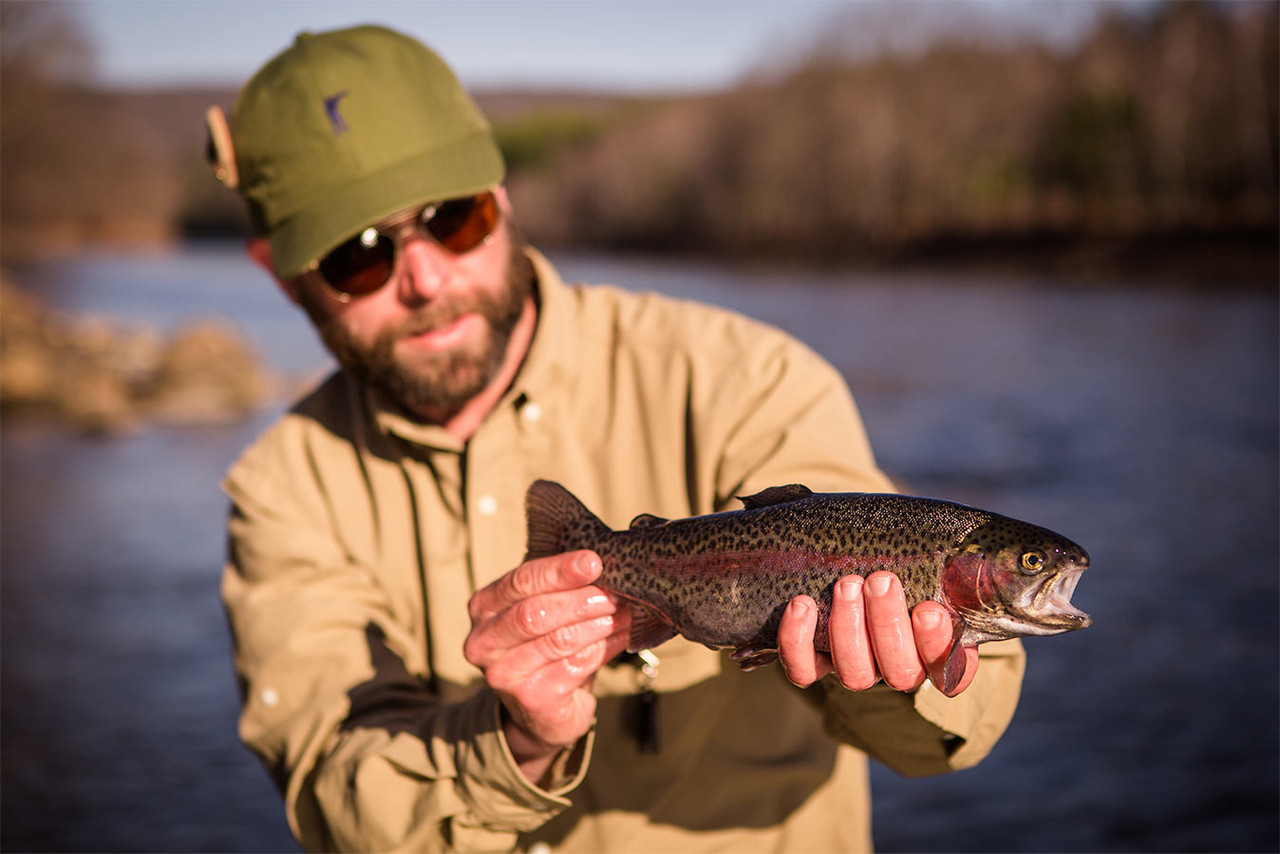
(426, 268)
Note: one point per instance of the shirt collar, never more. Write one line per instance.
(547, 364)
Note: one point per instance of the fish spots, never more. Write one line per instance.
(725, 579)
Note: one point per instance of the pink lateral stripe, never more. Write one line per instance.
(726, 563)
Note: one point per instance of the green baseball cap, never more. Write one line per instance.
(345, 128)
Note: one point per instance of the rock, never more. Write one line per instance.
(29, 367)
(206, 373)
(26, 375)
(98, 401)
(105, 379)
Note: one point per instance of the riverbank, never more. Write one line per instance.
(1212, 259)
(106, 377)
(1208, 256)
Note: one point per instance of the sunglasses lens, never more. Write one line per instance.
(461, 225)
(365, 263)
(362, 264)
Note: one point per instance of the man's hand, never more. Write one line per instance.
(872, 637)
(539, 633)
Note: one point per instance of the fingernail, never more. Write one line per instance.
(799, 607)
(849, 589)
(589, 564)
(879, 585)
(928, 618)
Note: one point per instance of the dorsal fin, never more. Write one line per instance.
(648, 520)
(776, 495)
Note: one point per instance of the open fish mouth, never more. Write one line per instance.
(1051, 604)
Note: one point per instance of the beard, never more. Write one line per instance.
(435, 383)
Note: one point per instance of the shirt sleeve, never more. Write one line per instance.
(366, 753)
(926, 732)
(795, 421)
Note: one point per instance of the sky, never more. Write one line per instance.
(607, 44)
(636, 45)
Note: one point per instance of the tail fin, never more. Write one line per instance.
(558, 522)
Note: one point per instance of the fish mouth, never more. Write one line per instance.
(1051, 605)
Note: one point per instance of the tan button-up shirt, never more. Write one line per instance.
(357, 535)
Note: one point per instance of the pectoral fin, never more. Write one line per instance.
(953, 668)
(749, 658)
(649, 627)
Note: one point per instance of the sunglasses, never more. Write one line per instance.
(366, 262)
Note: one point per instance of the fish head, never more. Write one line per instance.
(1010, 579)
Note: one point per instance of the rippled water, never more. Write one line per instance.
(1141, 423)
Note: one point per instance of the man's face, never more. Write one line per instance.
(436, 334)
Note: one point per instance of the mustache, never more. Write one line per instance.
(438, 314)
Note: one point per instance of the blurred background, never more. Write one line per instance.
(1038, 238)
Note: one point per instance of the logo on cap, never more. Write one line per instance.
(336, 121)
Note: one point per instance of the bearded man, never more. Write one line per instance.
(409, 680)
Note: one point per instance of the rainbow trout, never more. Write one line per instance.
(724, 579)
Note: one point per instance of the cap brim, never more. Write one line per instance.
(470, 165)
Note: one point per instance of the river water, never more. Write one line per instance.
(1141, 422)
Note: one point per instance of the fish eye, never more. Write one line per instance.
(1033, 561)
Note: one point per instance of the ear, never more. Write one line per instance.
(259, 251)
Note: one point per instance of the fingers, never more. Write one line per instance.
(891, 632)
(802, 664)
(550, 701)
(872, 636)
(557, 623)
(564, 645)
(851, 650)
(934, 635)
(546, 608)
(539, 634)
(543, 575)
(863, 626)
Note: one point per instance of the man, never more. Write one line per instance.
(409, 682)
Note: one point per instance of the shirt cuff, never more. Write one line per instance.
(498, 794)
(975, 719)
(567, 770)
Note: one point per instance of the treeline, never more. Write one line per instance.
(1160, 124)
(76, 165)
(1157, 130)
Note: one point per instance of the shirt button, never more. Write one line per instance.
(531, 413)
(487, 505)
(539, 848)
